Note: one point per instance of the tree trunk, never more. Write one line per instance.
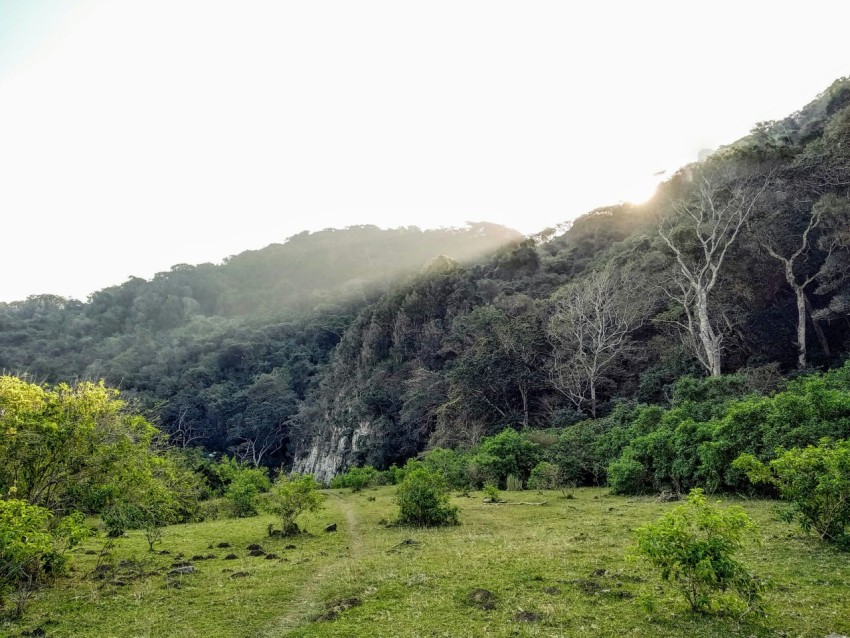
(523, 391)
(709, 338)
(801, 327)
(593, 398)
(824, 344)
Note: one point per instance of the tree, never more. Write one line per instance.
(59, 442)
(694, 546)
(821, 232)
(291, 497)
(706, 222)
(590, 330)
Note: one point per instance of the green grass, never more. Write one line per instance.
(555, 570)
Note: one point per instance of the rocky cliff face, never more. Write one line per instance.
(332, 452)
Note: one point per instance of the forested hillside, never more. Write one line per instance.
(221, 356)
(738, 264)
(358, 346)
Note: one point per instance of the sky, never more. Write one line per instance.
(138, 135)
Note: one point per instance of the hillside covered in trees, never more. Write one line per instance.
(363, 346)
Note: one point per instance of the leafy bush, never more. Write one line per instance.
(545, 476)
(246, 484)
(509, 452)
(491, 493)
(423, 500)
(356, 478)
(291, 497)
(694, 545)
(816, 482)
(32, 548)
(452, 464)
(513, 483)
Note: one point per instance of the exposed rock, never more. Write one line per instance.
(331, 451)
(256, 552)
(331, 527)
(231, 557)
(223, 545)
(527, 616)
(253, 546)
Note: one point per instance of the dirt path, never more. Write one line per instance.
(301, 606)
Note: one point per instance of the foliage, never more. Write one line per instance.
(246, 483)
(32, 548)
(452, 464)
(545, 476)
(292, 496)
(356, 478)
(694, 546)
(58, 445)
(423, 500)
(815, 480)
(491, 493)
(508, 452)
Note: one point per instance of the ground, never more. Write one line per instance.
(508, 570)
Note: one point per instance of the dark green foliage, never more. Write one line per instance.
(423, 500)
(507, 453)
(815, 480)
(694, 546)
(694, 442)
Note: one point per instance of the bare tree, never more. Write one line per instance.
(590, 329)
(705, 224)
(821, 233)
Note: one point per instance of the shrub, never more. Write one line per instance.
(816, 482)
(32, 549)
(491, 493)
(291, 497)
(245, 485)
(513, 483)
(693, 546)
(545, 476)
(451, 464)
(509, 452)
(423, 500)
(355, 478)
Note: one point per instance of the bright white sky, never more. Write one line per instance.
(139, 134)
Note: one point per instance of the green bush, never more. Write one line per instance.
(32, 549)
(423, 500)
(694, 545)
(452, 464)
(815, 480)
(491, 493)
(246, 484)
(509, 452)
(513, 483)
(356, 478)
(291, 497)
(545, 476)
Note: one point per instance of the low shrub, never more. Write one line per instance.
(423, 500)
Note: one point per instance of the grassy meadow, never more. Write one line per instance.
(507, 570)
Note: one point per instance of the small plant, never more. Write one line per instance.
(491, 493)
(291, 497)
(423, 500)
(815, 481)
(693, 546)
(513, 483)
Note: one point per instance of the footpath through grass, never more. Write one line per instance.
(507, 570)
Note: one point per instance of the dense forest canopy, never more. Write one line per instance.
(366, 346)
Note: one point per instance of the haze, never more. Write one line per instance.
(134, 136)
